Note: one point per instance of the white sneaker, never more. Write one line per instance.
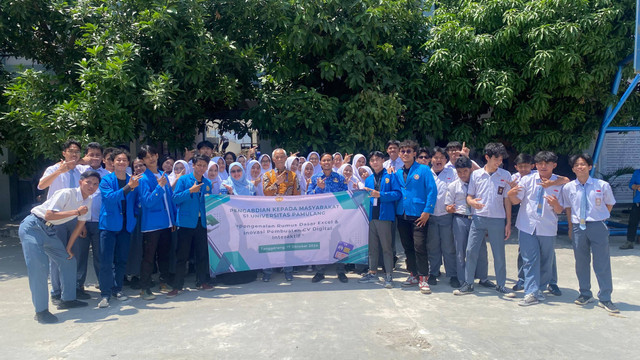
(529, 299)
(103, 303)
(411, 281)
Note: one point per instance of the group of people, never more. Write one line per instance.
(442, 205)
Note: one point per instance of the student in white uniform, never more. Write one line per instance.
(588, 204)
(487, 196)
(394, 162)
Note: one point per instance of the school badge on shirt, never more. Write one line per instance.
(335, 180)
(208, 189)
(416, 176)
(386, 180)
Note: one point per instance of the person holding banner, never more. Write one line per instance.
(326, 182)
(280, 182)
(384, 191)
(634, 216)
(192, 225)
(419, 195)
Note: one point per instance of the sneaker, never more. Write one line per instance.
(317, 277)
(432, 280)
(388, 281)
(205, 287)
(626, 246)
(165, 288)
(554, 290)
(423, 284)
(343, 278)
(82, 295)
(135, 283)
(529, 299)
(104, 302)
(173, 293)
(506, 292)
(518, 286)
(147, 295)
(455, 283)
(368, 278)
(540, 296)
(71, 304)
(288, 276)
(56, 300)
(487, 283)
(583, 300)
(266, 277)
(45, 317)
(121, 297)
(609, 306)
(465, 289)
(411, 281)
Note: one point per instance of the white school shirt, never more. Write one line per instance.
(446, 177)
(528, 220)
(64, 200)
(599, 195)
(96, 201)
(491, 189)
(62, 181)
(516, 175)
(457, 195)
(453, 166)
(397, 163)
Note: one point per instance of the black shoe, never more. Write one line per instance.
(45, 317)
(583, 300)
(454, 282)
(518, 286)
(343, 278)
(432, 280)
(56, 300)
(317, 277)
(607, 305)
(465, 289)
(487, 283)
(71, 304)
(554, 290)
(134, 283)
(82, 295)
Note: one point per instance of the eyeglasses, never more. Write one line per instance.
(235, 171)
(73, 152)
(408, 151)
(423, 157)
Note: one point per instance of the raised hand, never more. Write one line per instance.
(162, 181)
(196, 187)
(188, 154)
(475, 203)
(82, 210)
(134, 181)
(280, 178)
(321, 183)
(229, 189)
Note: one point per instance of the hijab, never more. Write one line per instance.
(242, 156)
(242, 186)
(369, 171)
(333, 157)
(355, 169)
(303, 179)
(258, 187)
(317, 169)
(221, 172)
(289, 162)
(353, 180)
(215, 183)
(262, 171)
(187, 170)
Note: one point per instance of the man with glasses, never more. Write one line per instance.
(419, 195)
(424, 156)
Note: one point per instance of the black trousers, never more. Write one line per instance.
(155, 242)
(634, 218)
(414, 242)
(197, 236)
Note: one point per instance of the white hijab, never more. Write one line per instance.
(332, 158)
(353, 180)
(259, 190)
(215, 183)
(221, 172)
(303, 180)
(317, 169)
(262, 171)
(187, 170)
(355, 169)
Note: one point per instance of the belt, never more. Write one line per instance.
(45, 222)
(463, 216)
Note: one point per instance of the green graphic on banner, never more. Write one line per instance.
(229, 259)
(213, 201)
(289, 247)
(357, 256)
(345, 201)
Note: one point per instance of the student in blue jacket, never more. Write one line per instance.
(419, 195)
(192, 224)
(384, 191)
(157, 222)
(116, 222)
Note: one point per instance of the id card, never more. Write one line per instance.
(375, 201)
(500, 190)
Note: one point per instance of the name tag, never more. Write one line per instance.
(598, 201)
(500, 190)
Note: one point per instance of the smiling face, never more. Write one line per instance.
(88, 186)
(438, 161)
(95, 157)
(220, 163)
(213, 172)
(407, 154)
(464, 174)
(524, 168)
(228, 158)
(363, 174)
(72, 153)
(199, 168)
(314, 159)
(150, 160)
(347, 172)
(294, 165)
(255, 171)
(361, 162)
(121, 162)
(279, 159)
(392, 150)
(138, 167)
(326, 162)
(179, 168)
(167, 165)
(236, 172)
(423, 158)
(581, 168)
(337, 160)
(454, 154)
(545, 168)
(493, 162)
(265, 162)
(242, 160)
(308, 171)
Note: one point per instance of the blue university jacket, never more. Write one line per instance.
(111, 207)
(151, 196)
(189, 205)
(389, 194)
(419, 192)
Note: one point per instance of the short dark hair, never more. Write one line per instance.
(392, 142)
(463, 162)
(409, 144)
(67, 144)
(233, 155)
(206, 143)
(200, 157)
(117, 152)
(524, 158)
(90, 173)
(107, 151)
(453, 145)
(146, 149)
(438, 149)
(94, 145)
(495, 149)
(425, 150)
(165, 158)
(376, 153)
(326, 154)
(586, 157)
(546, 156)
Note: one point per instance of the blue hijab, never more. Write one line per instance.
(242, 186)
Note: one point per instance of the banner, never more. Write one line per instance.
(260, 232)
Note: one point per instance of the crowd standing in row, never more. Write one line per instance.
(441, 204)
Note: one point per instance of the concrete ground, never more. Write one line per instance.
(279, 320)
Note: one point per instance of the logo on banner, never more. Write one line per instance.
(279, 198)
(342, 250)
